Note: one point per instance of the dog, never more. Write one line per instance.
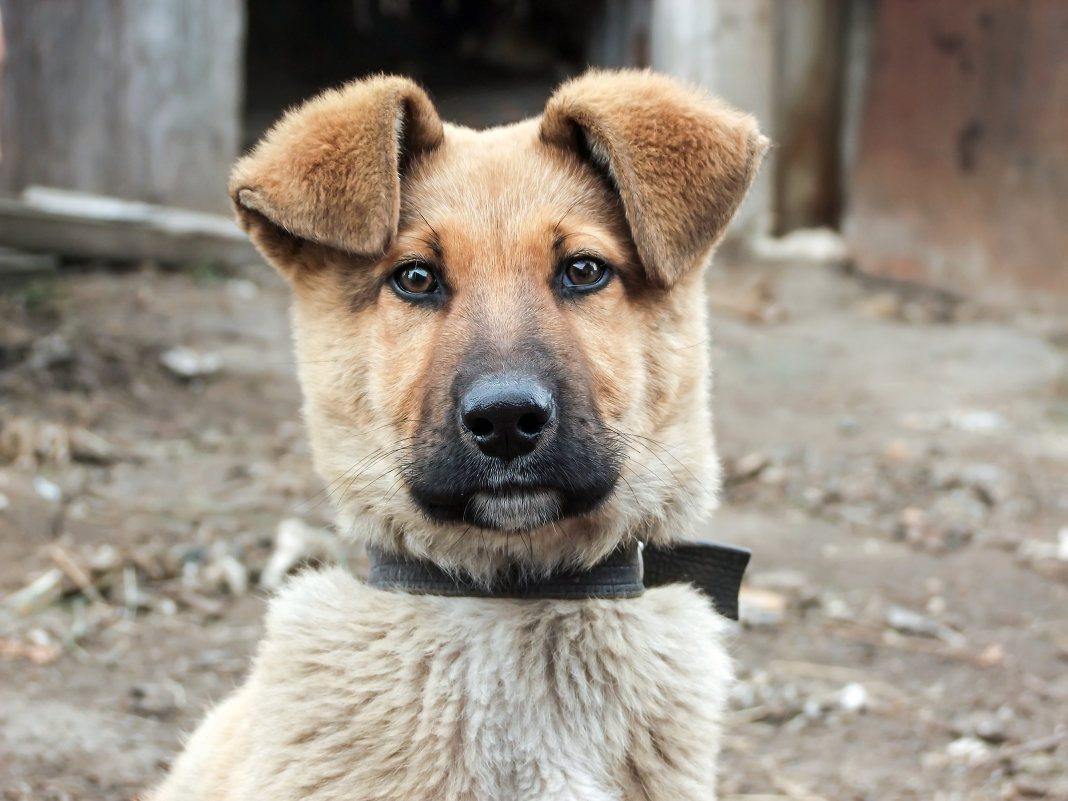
(501, 340)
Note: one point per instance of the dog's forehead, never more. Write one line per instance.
(505, 178)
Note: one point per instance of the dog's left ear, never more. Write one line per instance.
(329, 172)
(680, 159)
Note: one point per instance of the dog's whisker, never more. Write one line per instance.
(648, 444)
(323, 494)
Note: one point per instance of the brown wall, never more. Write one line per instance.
(962, 173)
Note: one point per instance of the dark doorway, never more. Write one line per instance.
(483, 61)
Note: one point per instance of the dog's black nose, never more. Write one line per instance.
(506, 415)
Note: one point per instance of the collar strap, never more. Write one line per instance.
(715, 569)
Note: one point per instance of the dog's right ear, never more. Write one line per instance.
(680, 160)
(329, 171)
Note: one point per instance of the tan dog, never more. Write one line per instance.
(501, 338)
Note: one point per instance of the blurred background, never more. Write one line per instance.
(889, 329)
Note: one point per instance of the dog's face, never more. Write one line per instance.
(500, 334)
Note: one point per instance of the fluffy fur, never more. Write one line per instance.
(359, 694)
(362, 694)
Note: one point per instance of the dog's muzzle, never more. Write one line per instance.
(517, 451)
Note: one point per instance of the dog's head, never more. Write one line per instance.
(501, 334)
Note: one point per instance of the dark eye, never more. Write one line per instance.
(585, 273)
(415, 278)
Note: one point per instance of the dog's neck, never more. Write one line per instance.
(715, 569)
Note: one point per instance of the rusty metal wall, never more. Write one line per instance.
(961, 178)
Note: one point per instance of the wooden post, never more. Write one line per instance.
(807, 178)
(137, 99)
(729, 47)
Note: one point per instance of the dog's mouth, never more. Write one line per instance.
(511, 510)
(508, 508)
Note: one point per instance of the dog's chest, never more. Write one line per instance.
(397, 696)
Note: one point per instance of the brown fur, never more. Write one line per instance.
(628, 166)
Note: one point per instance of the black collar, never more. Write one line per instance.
(715, 569)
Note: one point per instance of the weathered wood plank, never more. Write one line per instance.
(77, 224)
(137, 99)
(18, 262)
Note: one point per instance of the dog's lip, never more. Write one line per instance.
(510, 490)
(508, 508)
(518, 492)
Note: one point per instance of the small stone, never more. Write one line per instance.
(813, 497)
(187, 363)
(149, 699)
(750, 466)
(49, 351)
(991, 656)
(986, 727)
(774, 475)
(166, 607)
(913, 526)
(853, 697)
(990, 730)
(976, 421)
(758, 607)
(968, 749)
(786, 580)
(85, 446)
(242, 289)
(881, 306)
(39, 594)
(848, 425)
(104, 559)
(295, 543)
(907, 621)
(812, 709)
(235, 575)
(988, 480)
(936, 605)
(912, 517)
(1030, 787)
(1037, 764)
(1031, 550)
(959, 510)
(48, 490)
(898, 452)
(837, 609)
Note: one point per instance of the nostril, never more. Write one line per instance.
(479, 426)
(532, 423)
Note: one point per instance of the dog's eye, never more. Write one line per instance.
(585, 273)
(415, 278)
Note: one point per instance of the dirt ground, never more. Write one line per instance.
(896, 460)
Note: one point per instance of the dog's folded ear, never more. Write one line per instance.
(680, 159)
(329, 171)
